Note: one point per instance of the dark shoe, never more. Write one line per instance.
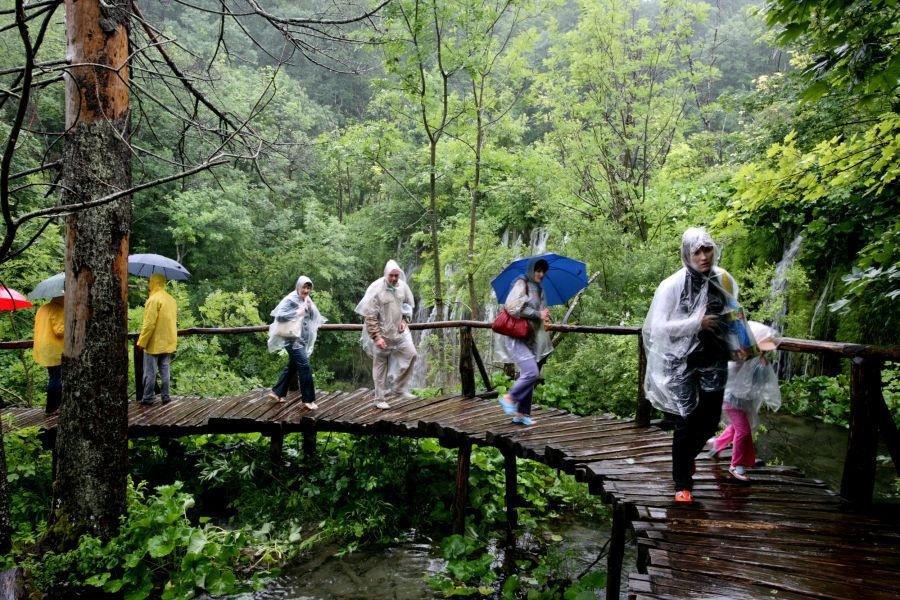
(148, 402)
(166, 400)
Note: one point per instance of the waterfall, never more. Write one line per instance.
(821, 305)
(538, 242)
(778, 289)
(778, 299)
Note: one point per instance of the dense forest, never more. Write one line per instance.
(320, 139)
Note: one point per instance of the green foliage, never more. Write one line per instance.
(822, 397)
(29, 480)
(158, 551)
(853, 44)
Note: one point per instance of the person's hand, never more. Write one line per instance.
(709, 322)
(380, 344)
(402, 326)
(545, 314)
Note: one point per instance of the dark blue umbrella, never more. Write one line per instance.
(565, 277)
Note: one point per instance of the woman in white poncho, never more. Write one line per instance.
(295, 326)
(687, 356)
(387, 308)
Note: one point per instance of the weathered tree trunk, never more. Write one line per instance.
(90, 482)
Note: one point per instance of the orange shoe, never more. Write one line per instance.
(684, 496)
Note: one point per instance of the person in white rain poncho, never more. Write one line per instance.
(387, 308)
(295, 326)
(751, 384)
(687, 356)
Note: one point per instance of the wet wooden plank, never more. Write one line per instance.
(771, 536)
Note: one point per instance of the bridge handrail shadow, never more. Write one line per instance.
(869, 414)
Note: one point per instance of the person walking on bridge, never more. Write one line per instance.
(295, 327)
(526, 300)
(158, 338)
(387, 308)
(685, 337)
(49, 322)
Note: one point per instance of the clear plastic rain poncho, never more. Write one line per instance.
(754, 383)
(526, 299)
(388, 306)
(672, 333)
(293, 308)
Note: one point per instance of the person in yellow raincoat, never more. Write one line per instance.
(48, 348)
(158, 338)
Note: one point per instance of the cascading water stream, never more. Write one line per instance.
(778, 298)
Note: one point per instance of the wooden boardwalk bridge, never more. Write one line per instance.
(781, 535)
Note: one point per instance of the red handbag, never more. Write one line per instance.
(508, 325)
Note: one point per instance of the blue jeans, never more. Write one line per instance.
(297, 367)
(152, 364)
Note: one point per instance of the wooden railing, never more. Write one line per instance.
(869, 414)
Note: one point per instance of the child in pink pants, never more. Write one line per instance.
(751, 383)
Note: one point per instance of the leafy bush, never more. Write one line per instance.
(158, 551)
(826, 398)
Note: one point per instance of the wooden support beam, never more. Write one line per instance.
(616, 557)
(276, 445)
(510, 470)
(461, 501)
(858, 481)
(309, 445)
(484, 374)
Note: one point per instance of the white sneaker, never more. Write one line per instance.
(382, 405)
(404, 396)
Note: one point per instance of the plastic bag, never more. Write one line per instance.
(288, 329)
(738, 336)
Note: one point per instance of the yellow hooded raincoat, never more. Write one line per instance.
(48, 333)
(159, 331)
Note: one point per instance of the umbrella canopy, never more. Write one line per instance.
(565, 277)
(145, 265)
(12, 300)
(49, 288)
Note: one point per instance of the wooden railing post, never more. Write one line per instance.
(466, 362)
(138, 372)
(858, 481)
(644, 409)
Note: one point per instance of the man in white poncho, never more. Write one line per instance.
(687, 355)
(387, 308)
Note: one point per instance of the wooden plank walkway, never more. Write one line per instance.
(779, 536)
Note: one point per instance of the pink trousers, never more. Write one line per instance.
(738, 433)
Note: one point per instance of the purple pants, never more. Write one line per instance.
(523, 388)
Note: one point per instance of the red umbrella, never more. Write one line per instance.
(12, 300)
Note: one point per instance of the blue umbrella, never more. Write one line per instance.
(565, 277)
(145, 265)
